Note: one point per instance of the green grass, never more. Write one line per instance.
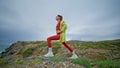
(35, 60)
(82, 61)
(25, 43)
(3, 62)
(19, 62)
(41, 44)
(96, 45)
(108, 64)
(38, 42)
(28, 52)
(56, 59)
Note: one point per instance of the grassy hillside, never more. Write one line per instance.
(102, 54)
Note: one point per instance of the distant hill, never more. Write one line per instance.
(24, 53)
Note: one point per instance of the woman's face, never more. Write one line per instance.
(58, 19)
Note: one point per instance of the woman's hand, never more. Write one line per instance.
(58, 31)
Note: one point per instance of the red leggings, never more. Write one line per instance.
(57, 37)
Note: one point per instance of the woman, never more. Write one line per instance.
(60, 35)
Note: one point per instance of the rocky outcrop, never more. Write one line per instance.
(11, 51)
(94, 51)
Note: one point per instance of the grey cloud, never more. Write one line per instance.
(35, 20)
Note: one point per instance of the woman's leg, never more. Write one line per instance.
(49, 39)
(74, 56)
(54, 37)
(67, 46)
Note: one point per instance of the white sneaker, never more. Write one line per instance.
(74, 56)
(49, 54)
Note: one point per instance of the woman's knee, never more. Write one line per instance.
(48, 39)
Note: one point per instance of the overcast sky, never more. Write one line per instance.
(31, 20)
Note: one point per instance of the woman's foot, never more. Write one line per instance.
(49, 54)
(74, 56)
